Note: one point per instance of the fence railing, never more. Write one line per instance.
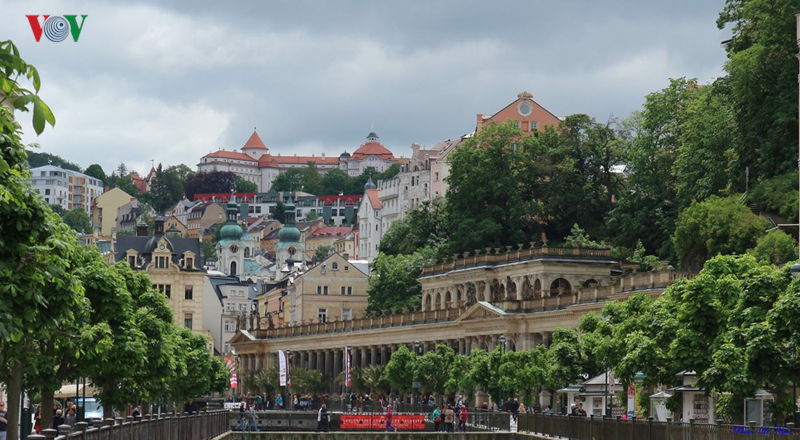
(606, 428)
(199, 426)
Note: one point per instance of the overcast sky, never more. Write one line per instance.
(172, 81)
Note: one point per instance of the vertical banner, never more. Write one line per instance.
(234, 381)
(288, 368)
(631, 401)
(347, 357)
(282, 366)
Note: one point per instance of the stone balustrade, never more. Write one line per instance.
(200, 426)
(496, 256)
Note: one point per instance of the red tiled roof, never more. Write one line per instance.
(254, 142)
(327, 231)
(328, 200)
(230, 155)
(374, 200)
(372, 149)
(135, 176)
(224, 197)
(305, 159)
(267, 161)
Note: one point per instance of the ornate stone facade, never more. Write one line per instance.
(475, 301)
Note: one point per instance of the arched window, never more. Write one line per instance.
(334, 266)
(233, 268)
(427, 302)
(590, 283)
(247, 252)
(560, 287)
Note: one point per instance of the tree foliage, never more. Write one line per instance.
(393, 282)
(78, 220)
(166, 189)
(209, 182)
(97, 172)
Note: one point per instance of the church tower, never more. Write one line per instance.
(231, 247)
(289, 249)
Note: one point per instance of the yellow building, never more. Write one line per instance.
(333, 290)
(174, 266)
(104, 210)
(203, 216)
(174, 227)
(346, 246)
(325, 236)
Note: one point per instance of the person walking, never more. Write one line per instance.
(449, 418)
(3, 421)
(389, 414)
(58, 420)
(436, 417)
(72, 418)
(462, 419)
(322, 419)
(253, 418)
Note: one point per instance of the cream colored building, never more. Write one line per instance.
(346, 246)
(522, 295)
(104, 210)
(203, 216)
(174, 266)
(325, 236)
(333, 290)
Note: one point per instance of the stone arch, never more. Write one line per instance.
(427, 305)
(437, 304)
(527, 290)
(459, 297)
(448, 300)
(537, 289)
(590, 283)
(560, 286)
(233, 269)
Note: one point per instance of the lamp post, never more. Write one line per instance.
(415, 384)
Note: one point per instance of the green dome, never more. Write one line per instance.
(289, 234)
(231, 232)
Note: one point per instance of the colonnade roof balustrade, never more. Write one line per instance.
(496, 256)
(651, 282)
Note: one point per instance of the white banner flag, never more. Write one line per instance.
(348, 359)
(282, 362)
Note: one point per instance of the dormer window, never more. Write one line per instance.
(334, 266)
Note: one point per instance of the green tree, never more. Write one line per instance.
(38, 159)
(422, 227)
(209, 182)
(393, 282)
(183, 172)
(335, 181)
(761, 71)
(648, 208)
(375, 379)
(775, 247)
(166, 189)
(245, 186)
(400, 369)
(717, 225)
(39, 294)
(78, 220)
(706, 162)
(490, 202)
(126, 184)
(578, 238)
(292, 180)
(564, 359)
(777, 194)
(323, 252)
(97, 172)
(279, 213)
(429, 369)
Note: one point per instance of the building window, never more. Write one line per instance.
(187, 321)
(166, 289)
(347, 314)
(322, 315)
(343, 290)
(132, 261)
(230, 326)
(187, 292)
(227, 347)
(47, 192)
(350, 290)
(534, 125)
(347, 268)
(231, 307)
(334, 266)
(243, 307)
(319, 290)
(189, 263)
(325, 290)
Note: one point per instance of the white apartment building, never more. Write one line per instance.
(227, 298)
(66, 188)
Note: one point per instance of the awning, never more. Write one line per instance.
(661, 395)
(68, 391)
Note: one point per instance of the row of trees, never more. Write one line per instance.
(65, 313)
(735, 325)
(336, 181)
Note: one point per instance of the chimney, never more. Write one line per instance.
(141, 228)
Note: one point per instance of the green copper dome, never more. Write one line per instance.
(289, 234)
(231, 232)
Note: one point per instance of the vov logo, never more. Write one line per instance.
(56, 28)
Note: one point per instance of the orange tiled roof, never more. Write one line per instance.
(319, 160)
(229, 155)
(374, 200)
(372, 149)
(327, 231)
(254, 142)
(267, 161)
